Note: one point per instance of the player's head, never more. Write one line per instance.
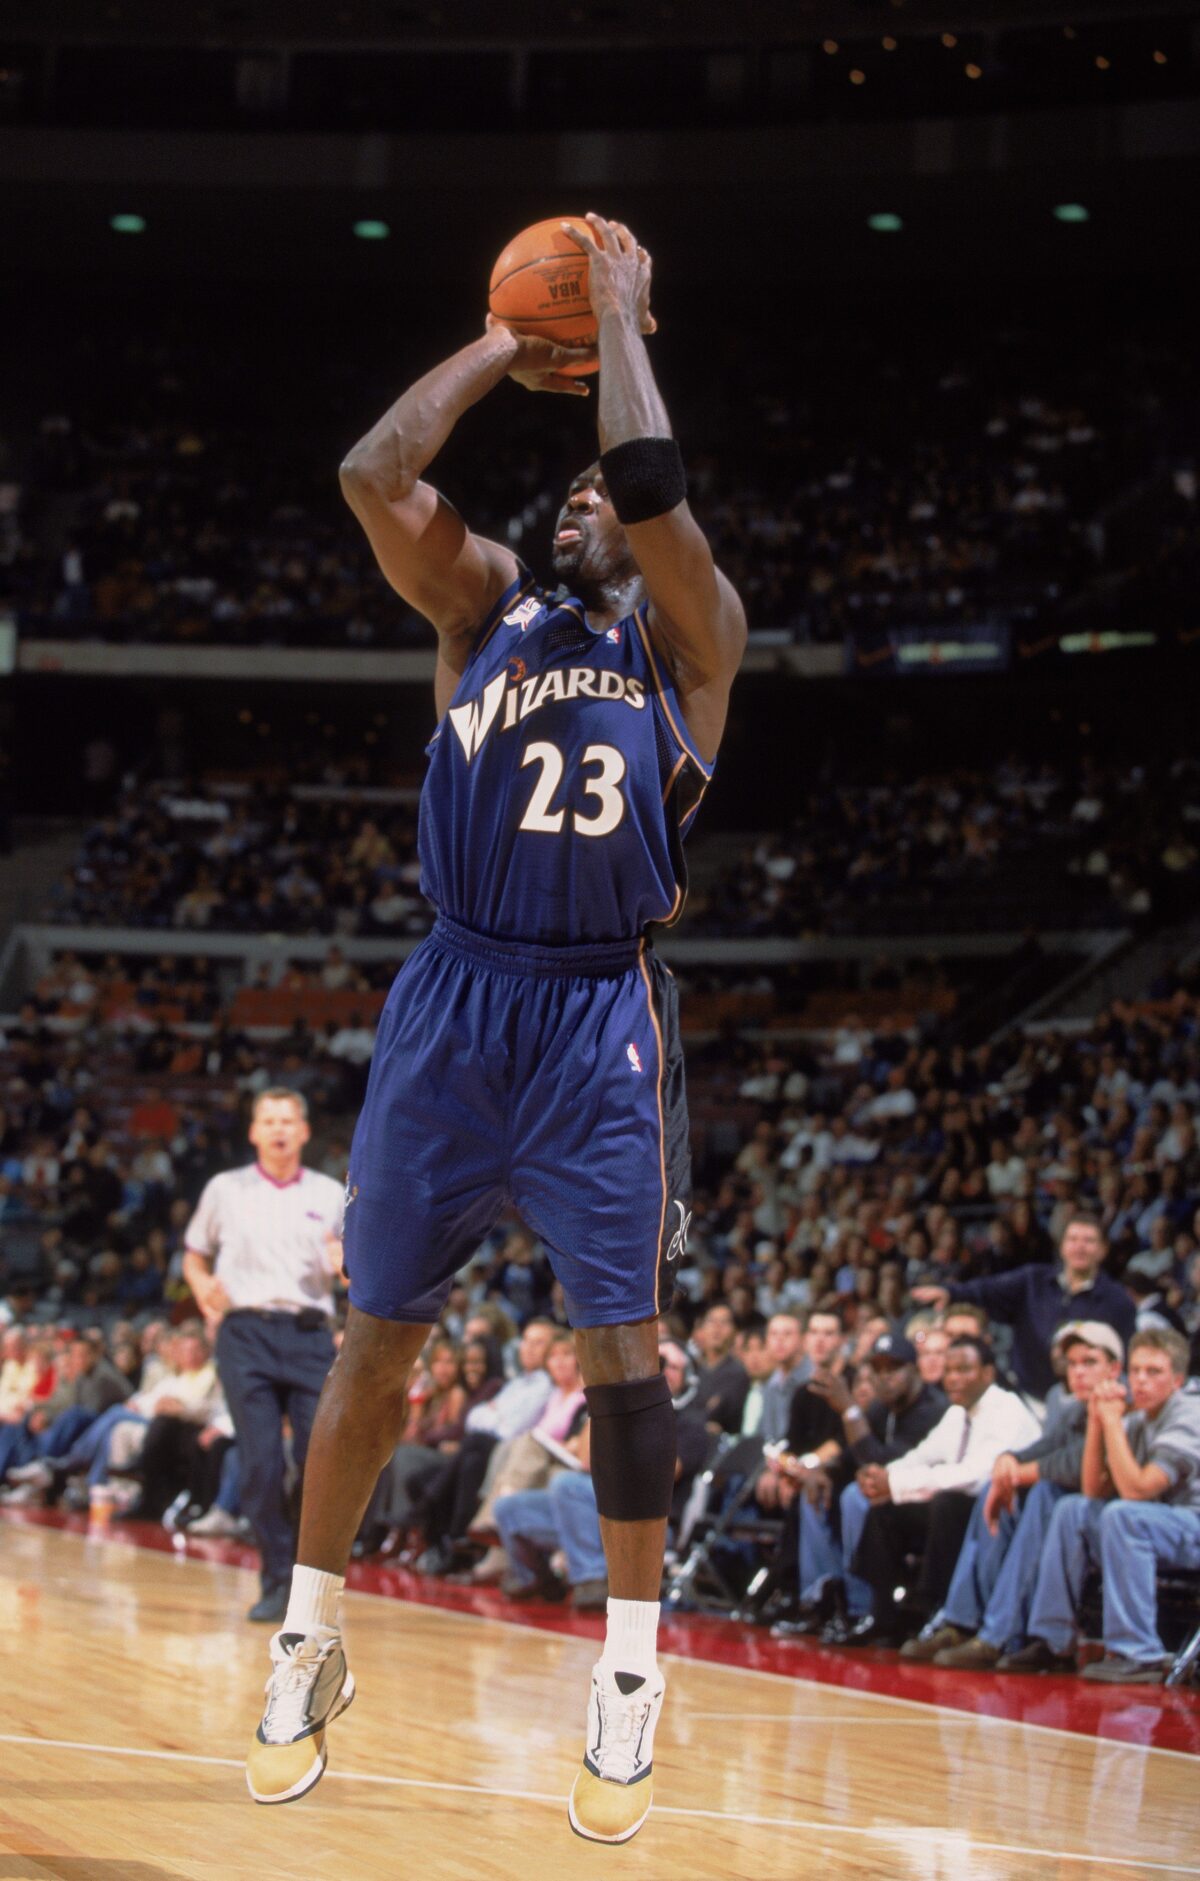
(591, 551)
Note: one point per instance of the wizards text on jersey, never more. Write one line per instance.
(561, 781)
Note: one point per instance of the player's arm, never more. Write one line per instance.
(694, 607)
(421, 543)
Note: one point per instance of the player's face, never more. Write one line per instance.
(590, 546)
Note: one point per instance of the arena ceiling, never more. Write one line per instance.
(483, 23)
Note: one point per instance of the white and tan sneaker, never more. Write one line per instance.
(611, 1796)
(310, 1685)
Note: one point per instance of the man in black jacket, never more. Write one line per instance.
(1037, 1301)
(905, 1410)
(723, 1379)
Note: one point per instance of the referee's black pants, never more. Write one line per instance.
(271, 1365)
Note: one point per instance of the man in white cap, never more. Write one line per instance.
(987, 1608)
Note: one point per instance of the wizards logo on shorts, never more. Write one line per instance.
(678, 1242)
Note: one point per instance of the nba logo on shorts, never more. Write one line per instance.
(631, 1052)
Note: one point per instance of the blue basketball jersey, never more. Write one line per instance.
(561, 781)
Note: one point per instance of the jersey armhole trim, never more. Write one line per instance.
(515, 591)
(677, 728)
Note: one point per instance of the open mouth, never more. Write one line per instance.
(567, 535)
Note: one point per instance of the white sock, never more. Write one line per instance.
(313, 1601)
(632, 1637)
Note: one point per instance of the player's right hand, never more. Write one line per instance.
(537, 364)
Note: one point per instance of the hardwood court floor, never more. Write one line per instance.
(132, 1683)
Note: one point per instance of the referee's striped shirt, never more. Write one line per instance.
(270, 1238)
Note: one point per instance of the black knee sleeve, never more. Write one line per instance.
(633, 1448)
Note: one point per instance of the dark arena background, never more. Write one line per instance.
(926, 283)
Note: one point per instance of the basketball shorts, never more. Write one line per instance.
(551, 1078)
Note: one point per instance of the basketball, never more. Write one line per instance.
(539, 285)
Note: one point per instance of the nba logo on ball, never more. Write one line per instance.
(631, 1052)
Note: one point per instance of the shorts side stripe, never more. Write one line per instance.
(662, 1135)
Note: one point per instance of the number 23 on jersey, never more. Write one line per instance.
(541, 817)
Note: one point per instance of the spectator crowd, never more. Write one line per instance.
(860, 481)
(888, 1308)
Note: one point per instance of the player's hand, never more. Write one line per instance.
(619, 271)
(538, 364)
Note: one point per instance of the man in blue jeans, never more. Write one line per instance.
(535, 1523)
(986, 1611)
(1140, 1509)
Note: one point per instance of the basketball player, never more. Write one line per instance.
(529, 1050)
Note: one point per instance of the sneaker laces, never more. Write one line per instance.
(290, 1685)
(622, 1722)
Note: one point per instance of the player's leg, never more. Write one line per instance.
(633, 1455)
(600, 1171)
(359, 1418)
(357, 1425)
(425, 1184)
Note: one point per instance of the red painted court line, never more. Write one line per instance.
(1146, 1714)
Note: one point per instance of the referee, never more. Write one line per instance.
(262, 1251)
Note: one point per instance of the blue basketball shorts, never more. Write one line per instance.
(551, 1078)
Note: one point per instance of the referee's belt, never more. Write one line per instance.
(308, 1318)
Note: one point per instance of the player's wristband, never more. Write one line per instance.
(645, 478)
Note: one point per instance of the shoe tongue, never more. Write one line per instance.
(291, 1642)
(627, 1682)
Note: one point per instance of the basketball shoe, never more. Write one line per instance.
(612, 1793)
(309, 1686)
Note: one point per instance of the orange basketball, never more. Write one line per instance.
(539, 285)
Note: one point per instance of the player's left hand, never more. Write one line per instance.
(618, 271)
